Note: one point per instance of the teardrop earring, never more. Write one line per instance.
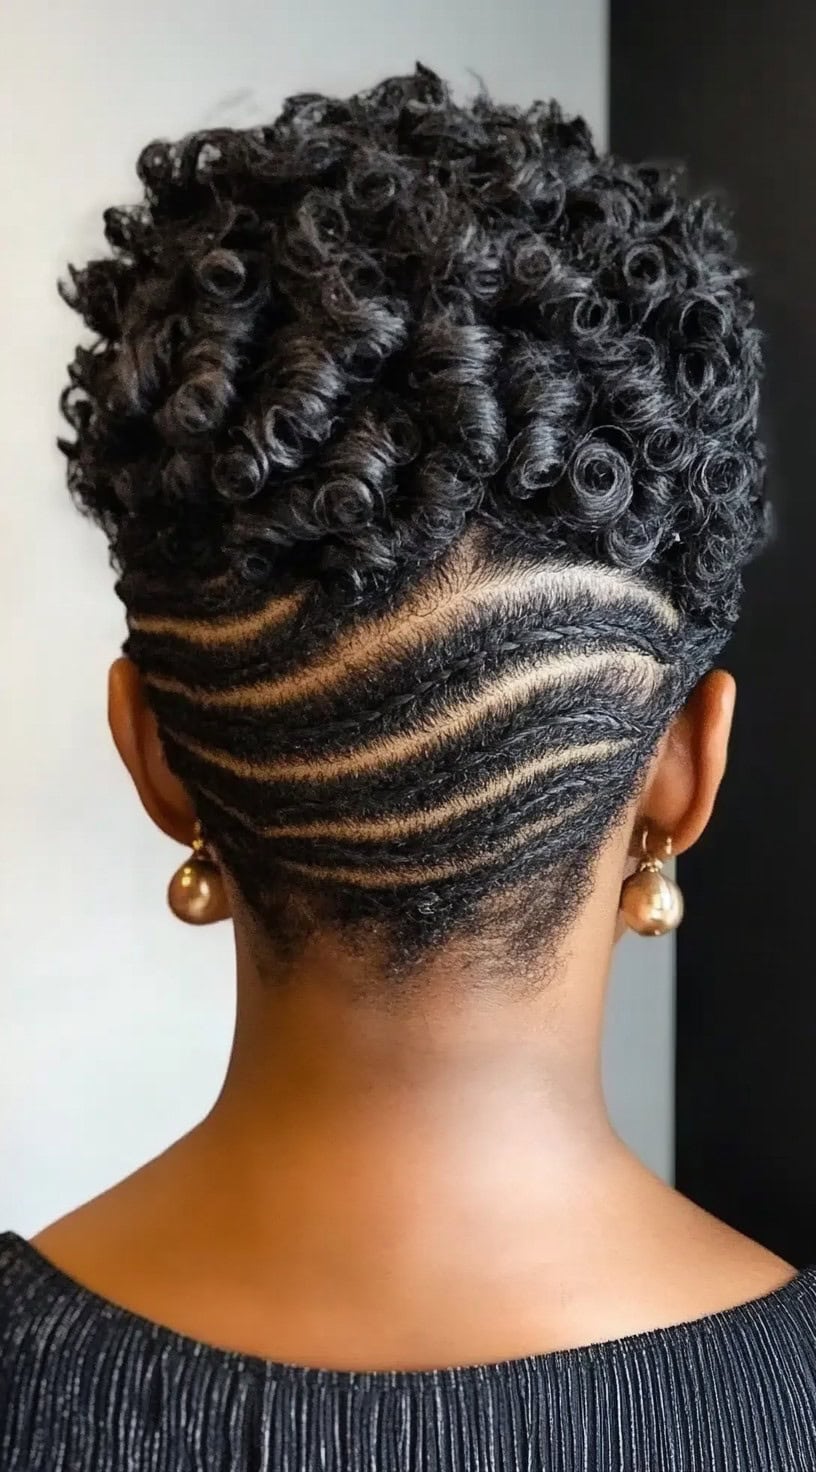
(651, 903)
(196, 893)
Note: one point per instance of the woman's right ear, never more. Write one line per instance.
(679, 795)
(136, 736)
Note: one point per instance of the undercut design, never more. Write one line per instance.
(466, 590)
(374, 877)
(509, 690)
(236, 630)
(405, 825)
(425, 438)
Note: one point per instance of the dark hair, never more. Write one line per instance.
(425, 440)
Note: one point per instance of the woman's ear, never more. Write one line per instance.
(136, 737)
(688, 767)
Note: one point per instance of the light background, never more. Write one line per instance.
(114, 1019)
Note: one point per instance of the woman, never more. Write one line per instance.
(425, 441)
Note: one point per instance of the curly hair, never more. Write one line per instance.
(425, 439)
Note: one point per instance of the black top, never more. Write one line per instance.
(86, 1386)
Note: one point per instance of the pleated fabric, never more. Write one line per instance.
(86, 1386)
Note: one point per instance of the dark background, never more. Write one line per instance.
(731, 88)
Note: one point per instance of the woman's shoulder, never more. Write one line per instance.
(734, 1388)
(36, 1288)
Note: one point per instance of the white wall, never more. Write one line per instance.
(114, 1019)
(639, 1049)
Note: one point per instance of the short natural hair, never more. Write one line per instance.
(425, 440)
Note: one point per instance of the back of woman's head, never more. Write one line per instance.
(425, 440)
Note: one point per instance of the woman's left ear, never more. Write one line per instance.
(681, 789)
(136, 737)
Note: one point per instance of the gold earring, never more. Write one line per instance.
(651, 903)
(196, 893)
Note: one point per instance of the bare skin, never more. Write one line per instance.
(388, 1185)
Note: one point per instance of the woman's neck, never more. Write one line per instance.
(464, 1099)
(429, 1183)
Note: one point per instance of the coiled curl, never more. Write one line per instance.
(566, 338)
